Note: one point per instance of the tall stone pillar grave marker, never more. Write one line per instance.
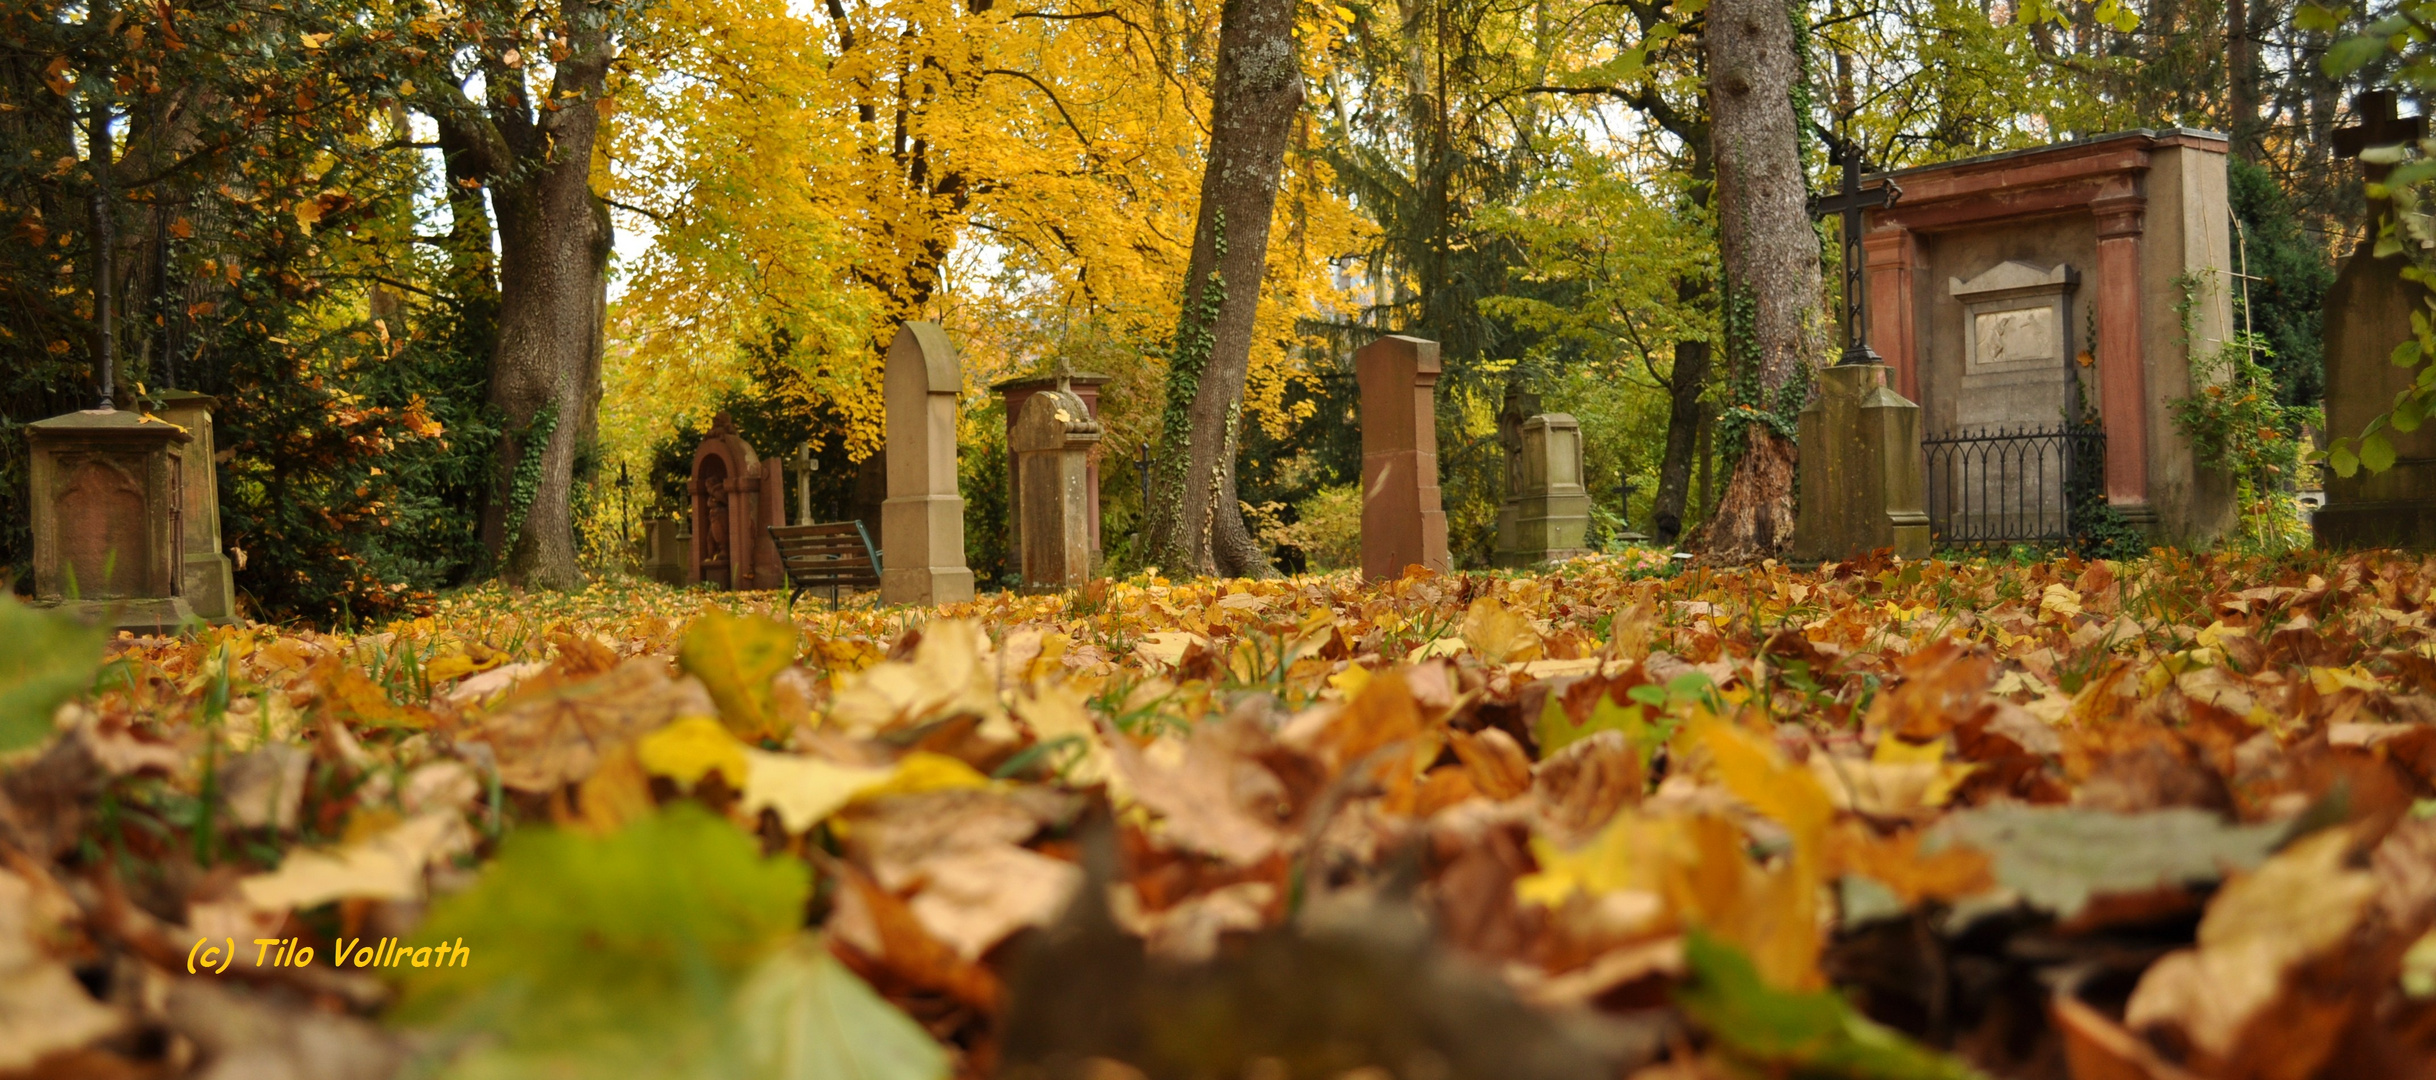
(922, 523)
(1546, 515)
(1052, 443)
(1403, 523)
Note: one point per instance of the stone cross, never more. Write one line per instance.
(1546, 515)
(1052, 443)
(210, 584)
(2377, 126)
(108, 508)
(922, 523)
(1402, 522)
(1849, 204)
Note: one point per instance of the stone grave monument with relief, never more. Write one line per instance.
(1403, 523)
(1053, 442)
(737, 495)
(922, 523)
(1546, 513)
(2368, 312)
(109, 505)
(2033, 304)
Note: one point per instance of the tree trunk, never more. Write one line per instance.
(1769, 256)
(554, 243)
(2242, 73)
(1690, 376)
(1196, 522)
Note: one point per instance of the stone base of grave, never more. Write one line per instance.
(1864, 484)
(156, 615)
(1542, 529)
(662, 557)
(2393, 524)
(209, 582)
(923, 562)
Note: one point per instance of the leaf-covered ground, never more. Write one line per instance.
(2154, 819)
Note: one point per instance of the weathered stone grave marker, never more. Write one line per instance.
(1052, 443)
(2367, 313)
(1860, 461)
(1546, 513)
(209, 581)
(108, 507)
(1015, 393)
(1403, 523)
(922, 523)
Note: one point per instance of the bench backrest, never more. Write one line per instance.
(827, 553)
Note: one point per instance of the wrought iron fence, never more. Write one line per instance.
(2010, 485)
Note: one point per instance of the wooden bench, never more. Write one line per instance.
(837, 554)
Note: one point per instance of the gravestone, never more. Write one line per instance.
(1862, 479)
(1546, 513)
(736, 496)
(2002, 288)
(2367, 313)
(665, 552)
(1402, 522)
(211, 587)
(922, 523)
(108, 514)
(1053, 442)
(1015, 392)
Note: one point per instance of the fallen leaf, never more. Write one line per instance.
(736, 657)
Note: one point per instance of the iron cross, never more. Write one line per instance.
(1849, 204)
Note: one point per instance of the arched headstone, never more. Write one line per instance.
(922, 523)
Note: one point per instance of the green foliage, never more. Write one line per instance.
(2238, 423)
(606, 956)
(2285, 306)
(49, 659)
(803, 1016)
(1815, 1035)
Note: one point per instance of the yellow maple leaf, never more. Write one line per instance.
(691, 748)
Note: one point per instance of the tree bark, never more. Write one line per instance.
(1196, 522)
(554, 244)
(1769, 256)
(1690, 376)
(2241, 102)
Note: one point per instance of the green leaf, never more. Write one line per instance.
(736, 656)
(2408, 412)
(2353, 53)
(1793, 1033)
(49, 658)
(2057, 858)
(2406, 354)
(605, 956)
(2340, 458)
(2376, 452)
(803, 1016)
(2320, 18)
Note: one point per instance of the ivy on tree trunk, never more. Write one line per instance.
(1196, 522)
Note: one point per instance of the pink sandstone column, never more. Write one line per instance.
(2122, 380)
(1891, 255)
